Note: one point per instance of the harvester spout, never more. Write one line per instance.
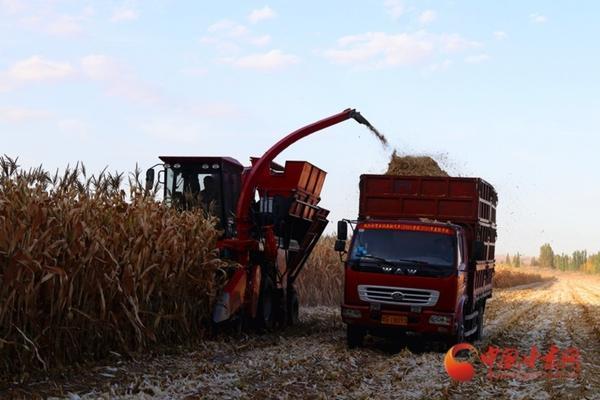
(359, 118)
(362, 120)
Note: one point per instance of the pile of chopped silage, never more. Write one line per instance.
(406, 165)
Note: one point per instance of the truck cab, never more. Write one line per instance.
(407, 269)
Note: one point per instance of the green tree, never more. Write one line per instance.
(562, 261)
(508, 261)
(593, 264)
(517, 260)
(546, 258)
(534, 262)
(579, 259)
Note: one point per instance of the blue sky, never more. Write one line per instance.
(506, 91)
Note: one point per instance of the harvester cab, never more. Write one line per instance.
(212, 183)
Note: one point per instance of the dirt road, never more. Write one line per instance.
(312, 361)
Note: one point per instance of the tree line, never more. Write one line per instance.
(579, 260)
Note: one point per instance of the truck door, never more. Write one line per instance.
(461, 263)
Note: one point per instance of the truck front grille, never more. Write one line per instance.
(398, 295)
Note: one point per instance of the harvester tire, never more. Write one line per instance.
(293, 307)
(265, 311)
(234, 326)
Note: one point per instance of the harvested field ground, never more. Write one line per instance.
(311, 361)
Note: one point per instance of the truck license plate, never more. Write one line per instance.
(394, 319)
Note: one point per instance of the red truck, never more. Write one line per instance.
(421, 257)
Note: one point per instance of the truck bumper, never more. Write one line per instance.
(405, 321)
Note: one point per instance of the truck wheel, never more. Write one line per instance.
(479, 332)
(264, 311)
(459, 336)
(293, 307)
(355, 335)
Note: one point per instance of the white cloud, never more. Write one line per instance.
(133, 90)
(271, 60)
(46, 20)
(380, 50)
(5, 84)
(455, 43)
(228, 28)
(12, 6)
(213, 110)
(123, 14)
(88, 11)
(538, 18)
(229, 37)
(69, 126)
(65, 25)
(195, 71)
(221, 45)
(118, 80)
(441, 66)
(36, 68)
(18, 114)
(260, 40)
(477, 59)
(395, 8)
(100, 67)
(177, 127)
(261, 14)
(427, 17)
(500, 35)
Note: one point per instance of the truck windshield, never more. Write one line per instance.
(404, 246)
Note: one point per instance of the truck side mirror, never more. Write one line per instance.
(340, 245)
(149, 179)
(342, 231)
(478, 250)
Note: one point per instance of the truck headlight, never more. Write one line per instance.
(440, 320)
(350, 313)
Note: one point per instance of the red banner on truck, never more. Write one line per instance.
(407, 227)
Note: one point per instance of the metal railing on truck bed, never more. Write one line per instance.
(470, 202)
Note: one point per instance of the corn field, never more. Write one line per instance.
(506, 276)
(322, 280)
(86, 269)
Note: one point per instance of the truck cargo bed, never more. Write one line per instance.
(470, 202)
